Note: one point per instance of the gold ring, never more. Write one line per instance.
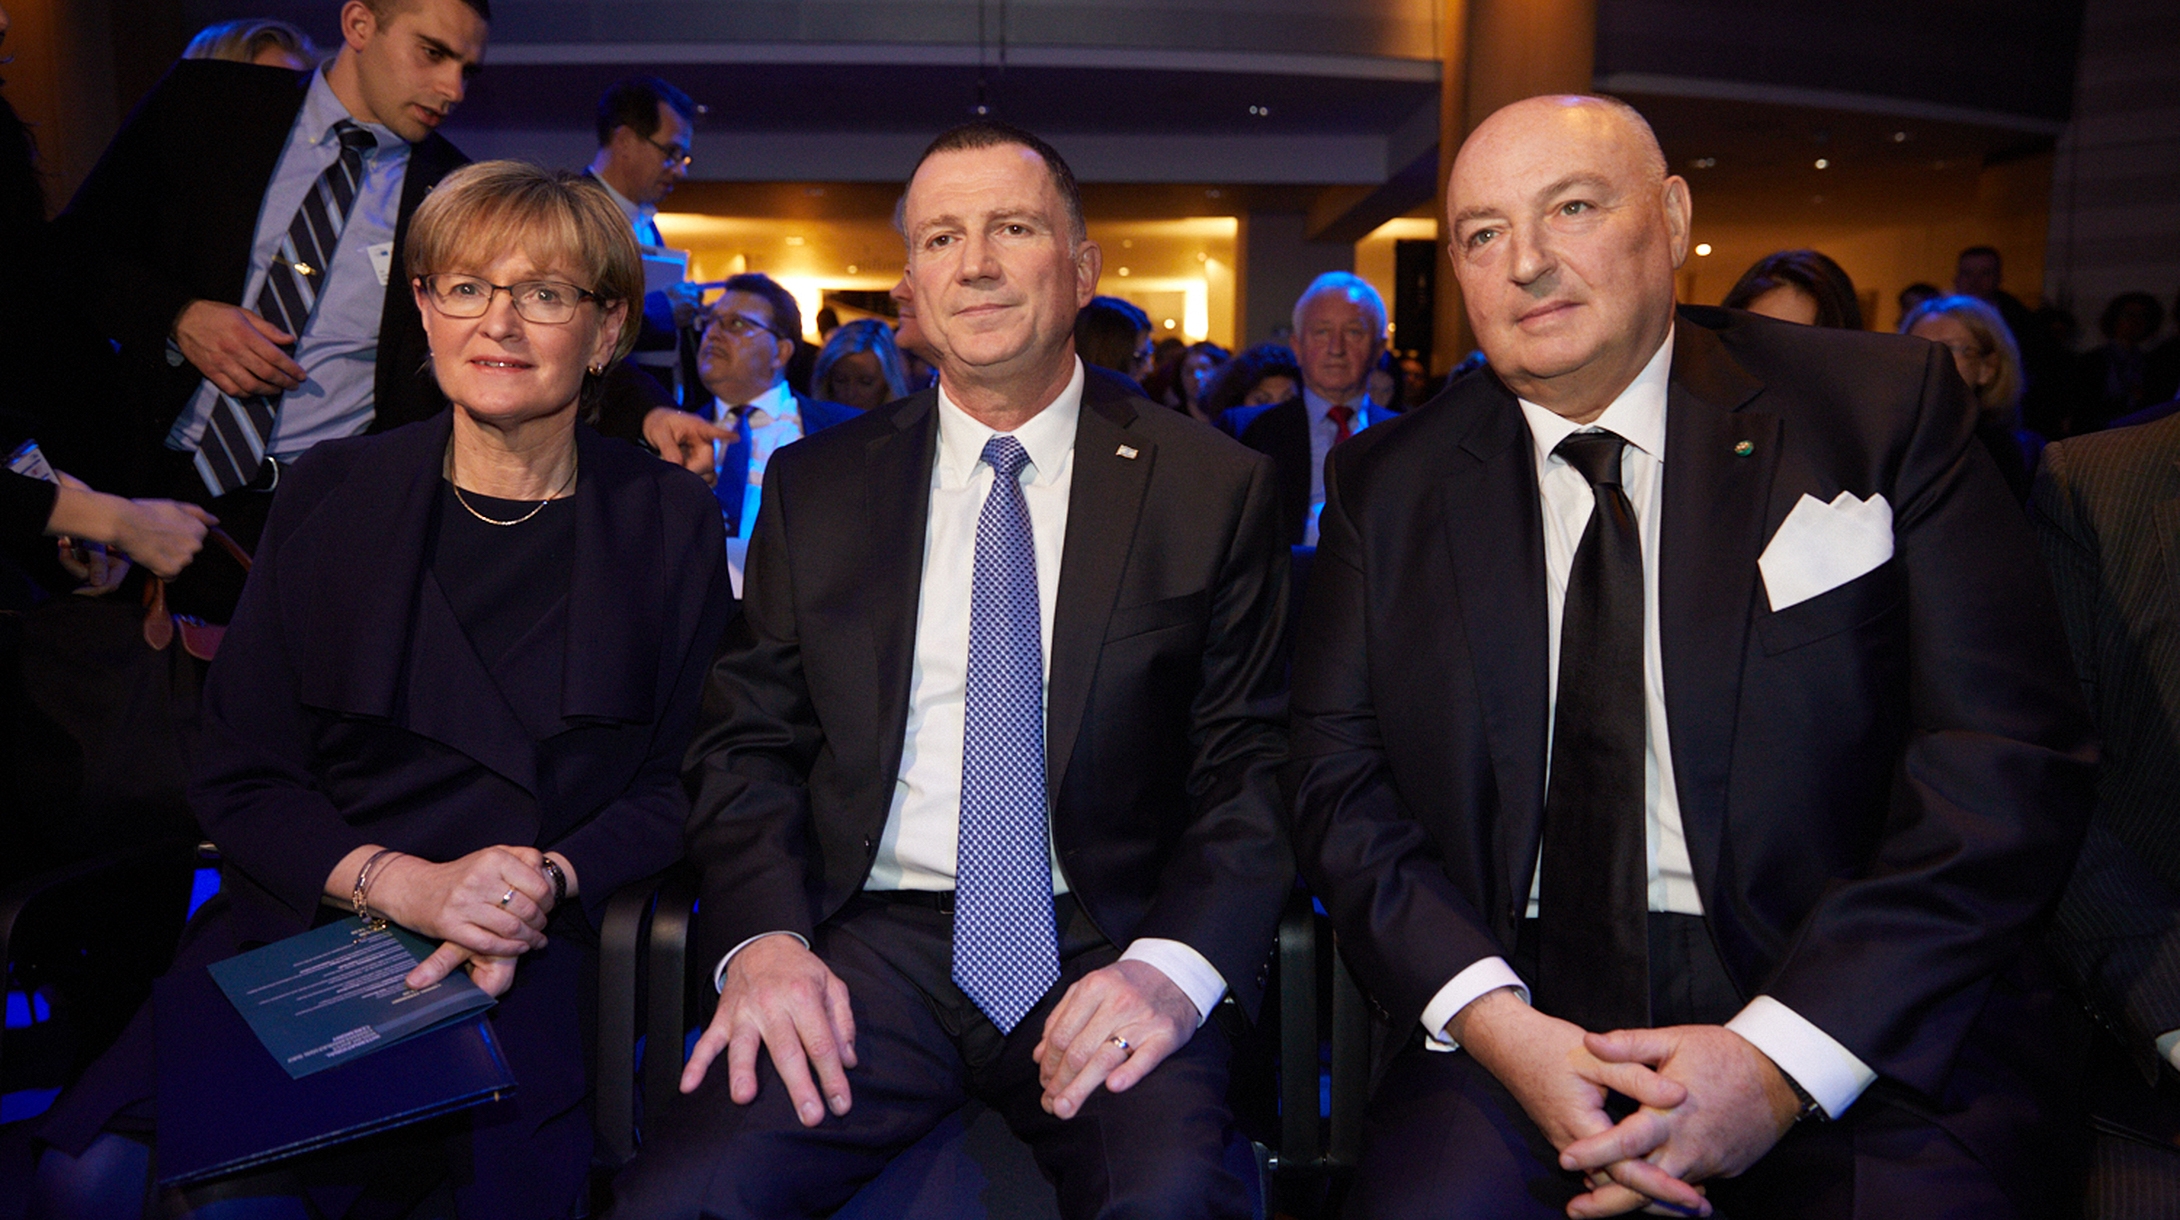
(507, 897)
(1120, 1042)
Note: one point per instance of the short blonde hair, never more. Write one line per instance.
(242, 41)
(483, 211)
(2002, 397)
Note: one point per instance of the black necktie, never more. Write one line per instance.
(1593, 960)
(732, 485)
(231, 453)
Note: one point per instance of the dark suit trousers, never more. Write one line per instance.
(1166, 1147)
(1443, 1139)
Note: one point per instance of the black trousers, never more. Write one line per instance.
(1442, 1138)
(1166, 1147)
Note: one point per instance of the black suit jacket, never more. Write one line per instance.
(1882, 787)
(2107, 515)
(1283, 431)
(349, 707)
(1165, 702)
(168, 217)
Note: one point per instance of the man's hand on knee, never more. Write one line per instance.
(1550, 1069)
(1738, 1105)
(780, 995)
(1111, 1028)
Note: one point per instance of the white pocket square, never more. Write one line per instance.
(1820, 546)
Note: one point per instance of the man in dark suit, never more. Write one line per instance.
(2104, 507)
(187, 229)
(938, 868)
(1339, 332)
(1680, 670)
(749, 336)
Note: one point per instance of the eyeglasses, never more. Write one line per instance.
(742, 326)
(676, 155)
(545, 302)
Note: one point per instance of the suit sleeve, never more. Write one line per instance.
(747, 768)
(1993, 790)
(2117, 931)
(1230, 872)
(253, 789)
(1362, 851)
(104, 227)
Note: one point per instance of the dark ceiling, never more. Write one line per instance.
(929, 98)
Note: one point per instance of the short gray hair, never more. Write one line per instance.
(1349, 285)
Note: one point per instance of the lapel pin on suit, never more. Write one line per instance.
(1126, 451)
(1744, 448)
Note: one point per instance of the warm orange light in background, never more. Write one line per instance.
(1181, 268)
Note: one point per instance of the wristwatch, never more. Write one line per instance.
(1810, 1111)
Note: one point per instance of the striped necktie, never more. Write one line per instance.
(232, 450)
(1006, 949)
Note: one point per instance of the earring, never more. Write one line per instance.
(596, 370)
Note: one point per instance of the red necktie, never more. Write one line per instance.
(1341, 416)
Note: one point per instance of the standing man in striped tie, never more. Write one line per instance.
(985, 797)
(240, 237)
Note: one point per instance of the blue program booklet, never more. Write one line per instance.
(334, 994)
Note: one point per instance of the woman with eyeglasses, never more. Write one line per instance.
(455, 695)
(1987, 359)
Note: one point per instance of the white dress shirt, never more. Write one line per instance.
(774, 420)
(1324, 433)
(1830, 1073)
(338, 348)
(640, 216)
(916, 851)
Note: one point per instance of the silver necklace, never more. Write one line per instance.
(464, 502)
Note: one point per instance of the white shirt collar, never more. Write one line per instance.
(639, 214)
(1048, 436)
(1636, 416)
(777, 402)
(1317, 404)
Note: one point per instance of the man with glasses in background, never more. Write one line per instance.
(749, 336)
(645, 132)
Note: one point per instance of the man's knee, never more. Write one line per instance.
(1187, 1183)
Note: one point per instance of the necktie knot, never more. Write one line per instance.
(1596, 455)
(1006, 457)
(354, 138)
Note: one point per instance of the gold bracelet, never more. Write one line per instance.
(360, 896)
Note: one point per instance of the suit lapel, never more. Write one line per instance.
(389, 647)
(896, 508)
(1289, 424)
(1103, 502)
(1713, 527)
(1495, 534)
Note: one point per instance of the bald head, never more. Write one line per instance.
(1566, 233)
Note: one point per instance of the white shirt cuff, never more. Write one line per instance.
(2168, 1047)
(1197, 978)
(1482, 976)
(719, 972)
(1824, 1069)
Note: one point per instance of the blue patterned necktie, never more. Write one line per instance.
(1006, 951)
(232, 450)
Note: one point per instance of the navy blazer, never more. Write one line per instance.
(348, 707)
(1882, 787)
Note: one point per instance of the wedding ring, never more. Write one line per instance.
(507, 897)
(1120, 1042)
